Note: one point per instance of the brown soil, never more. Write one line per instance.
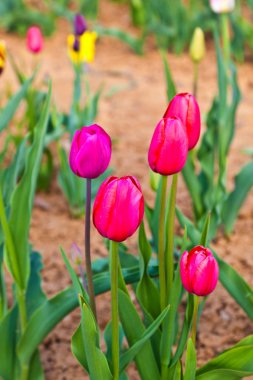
(130, 117)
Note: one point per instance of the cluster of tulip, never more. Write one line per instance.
(119, 205)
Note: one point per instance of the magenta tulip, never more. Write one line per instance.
(185, 107)
(34, 39)
(169, 147)
(199, 271)
(90, 152)
(80, 25)
(118, 208)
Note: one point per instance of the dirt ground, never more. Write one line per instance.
(130, 116)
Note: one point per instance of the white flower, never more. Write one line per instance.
(222, 6)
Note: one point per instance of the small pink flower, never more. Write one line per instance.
(90, 152)
(169, 147)
(118, 208)
(185, 107)
(34, 39)
(199, 271)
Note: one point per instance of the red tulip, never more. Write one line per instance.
(185, 107)
(34, 39)
(169, 147)
(118, 208)
(199, 271)
(90, 152)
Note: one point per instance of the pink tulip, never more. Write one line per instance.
(34, 39)
(185, 107)
(169, 147)
(90, 152)
(118, 208)
(199, 271)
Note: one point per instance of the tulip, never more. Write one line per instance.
(2, 55)
(197, 47)
(34, 39)
(80, 25)
(169, 147)
(222, 6)
(118, 208)
(82, 48)
(199, 271)
(90, 152)
(185, 107)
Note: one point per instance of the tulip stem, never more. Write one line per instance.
(169, 253)
(114, 268)
(225, 37)
(161, 250)
(195, 79)
(87, 248)
(195, 319)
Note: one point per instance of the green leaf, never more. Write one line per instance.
(8, 331)
(233, 204)
(35, 296)
(167, 339)
(134, 330)
(131, 353)
(43, 321)
(96, 360)
(3, 295)
(76, 282)
(134, 43)
(191, 361)
(78, 349)
(147, 292)
(204, 235)
(236, 362)
(35, 368)
(170, 85)
(22, 202)
(7, 113)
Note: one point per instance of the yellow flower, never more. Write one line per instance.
(82, 48)
(197, 47)
(2, 55)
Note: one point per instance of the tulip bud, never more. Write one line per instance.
(169, 147)
(80, 25)
(2, 55)
(90, 152)
(199, 271)
(154, 180)
(34, 39)
(118, 208)
(197, 47)
(185, 107)
(222, 6)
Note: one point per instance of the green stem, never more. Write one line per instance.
(169, 253)
(161, 251)
(225, 37)
(195, 79)
(114, 267)
(22, 309)
(195, 319)
(87, 248)
(24, 372)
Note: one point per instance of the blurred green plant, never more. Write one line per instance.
(16, 16)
